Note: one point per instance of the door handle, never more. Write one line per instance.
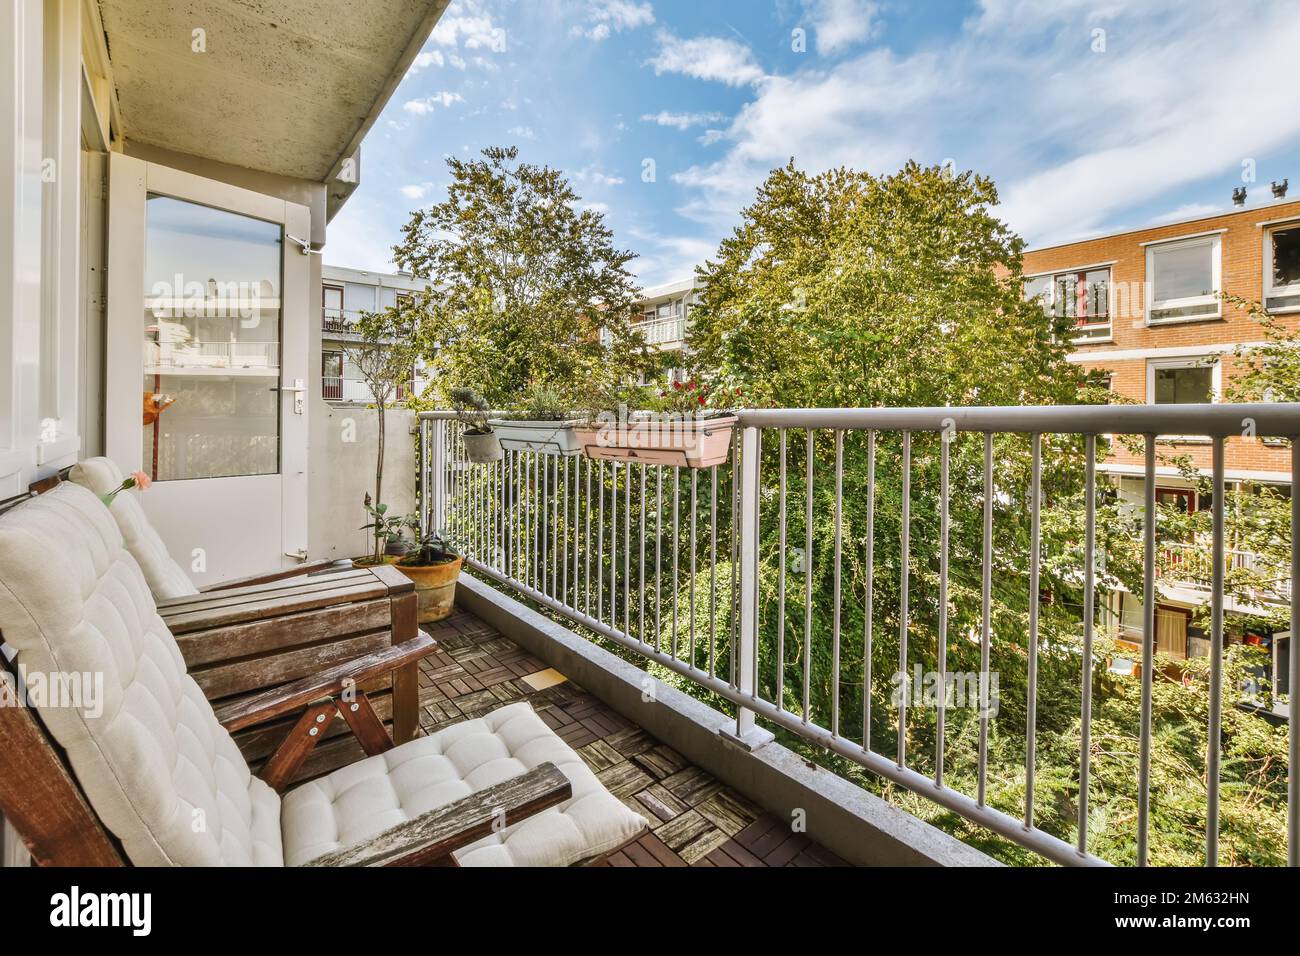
(297, 389)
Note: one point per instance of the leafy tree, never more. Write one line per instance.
(526, 285)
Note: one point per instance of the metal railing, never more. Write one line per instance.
(1190, 565)
(701, 572)
(193, 354)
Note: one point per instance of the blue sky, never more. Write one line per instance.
(665, 114)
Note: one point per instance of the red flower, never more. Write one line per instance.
(692, 385)
(701, 399)
(677, 386)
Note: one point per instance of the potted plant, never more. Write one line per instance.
(682, 425)
(389, 542)
(482, 447)
(434, 567)
(546, 423)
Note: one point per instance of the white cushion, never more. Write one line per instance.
(166, 578)
(359, 801)
(162, 774)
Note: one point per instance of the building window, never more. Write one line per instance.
(331, 371)
(1282, 269)
(1182, 384)
(332, 308)
(1183, 280)
(1080, 295)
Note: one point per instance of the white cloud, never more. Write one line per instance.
(681, 120)
(416, 191)
(706, 58)
(472, 29)
(425, 105)
(604, 17)
(426, 58)
(838, 24)
(522, 132)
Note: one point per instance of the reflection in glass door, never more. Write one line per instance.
(212, 317)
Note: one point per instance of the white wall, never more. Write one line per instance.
(349, 439)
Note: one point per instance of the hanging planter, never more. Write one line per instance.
(482, 447)
(545, 437)
(692, 442)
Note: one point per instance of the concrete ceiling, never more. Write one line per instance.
(286, 86)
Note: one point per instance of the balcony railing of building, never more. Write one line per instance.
(335, 389)
(1190, 565)
(664, 332)
(339, 321)
(668, 563)
(182, 355)
(1092, 330)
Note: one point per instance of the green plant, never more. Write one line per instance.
(542, 402)
(430, 550)
(692, 398)
(385, 526)
(471, 411)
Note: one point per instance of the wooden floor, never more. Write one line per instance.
(695, 820)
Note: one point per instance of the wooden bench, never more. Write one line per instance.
(241, 641)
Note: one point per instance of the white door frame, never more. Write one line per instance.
(226, 515)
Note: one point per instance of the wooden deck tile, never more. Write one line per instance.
(697, 820)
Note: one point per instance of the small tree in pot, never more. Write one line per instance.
(434, 567)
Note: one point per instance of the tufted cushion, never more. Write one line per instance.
(166, 578)
(159, 770)
(361, 800)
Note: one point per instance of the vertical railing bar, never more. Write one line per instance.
(659, 541)
(904, 580)
(839, 548)
(586, 547)
(564, 551)
(1089, 610)
(780, 575)
(941, 658)
(641, 591)
(555, 530)
(757, 491)
(1035, 571)
(807, 576)
(677, 544)
(1214, 745)
(869, 591)
(544, 464)
(713, 571)
(1148, 646)
(577, 519)
(986, 616)
(627, 549)
(691, 586)
(613, 545)
(600, 543)
(1293, 669)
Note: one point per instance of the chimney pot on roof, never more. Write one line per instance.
(1239, 196)
(1279, 189)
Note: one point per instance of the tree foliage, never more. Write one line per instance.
(526, 284)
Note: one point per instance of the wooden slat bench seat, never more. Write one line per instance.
(239, 642)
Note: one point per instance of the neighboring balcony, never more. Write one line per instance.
(1189, 566)
(347, 390)
(664, 334)
(1096, 329)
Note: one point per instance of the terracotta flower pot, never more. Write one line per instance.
(689, 443)
(482, 449)
(435, 588)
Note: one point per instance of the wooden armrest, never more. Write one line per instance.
(328, 683)
(309, 567)
(440, 832)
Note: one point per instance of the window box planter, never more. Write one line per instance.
(688, 443)
(545, 437)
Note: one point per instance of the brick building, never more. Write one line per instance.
(1149, 311)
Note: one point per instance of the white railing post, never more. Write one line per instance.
(748, 734)
(437, 474)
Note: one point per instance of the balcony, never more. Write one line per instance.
(683, 599)
(1094, 330)
(1190, 566)
(665, 334)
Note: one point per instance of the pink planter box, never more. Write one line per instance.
(692, 443)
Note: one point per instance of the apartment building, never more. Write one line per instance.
(345, 295)
(1150, 312)
(664, 319)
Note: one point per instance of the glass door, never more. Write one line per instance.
(207, 350)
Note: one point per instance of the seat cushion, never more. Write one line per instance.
(166, 578)
(359, 801)
(159, 770)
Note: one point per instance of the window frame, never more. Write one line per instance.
(1049, 300)
(1215, 242)
(1270, 290)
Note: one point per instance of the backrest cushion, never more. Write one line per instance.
(166, 578)
(159, 770)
